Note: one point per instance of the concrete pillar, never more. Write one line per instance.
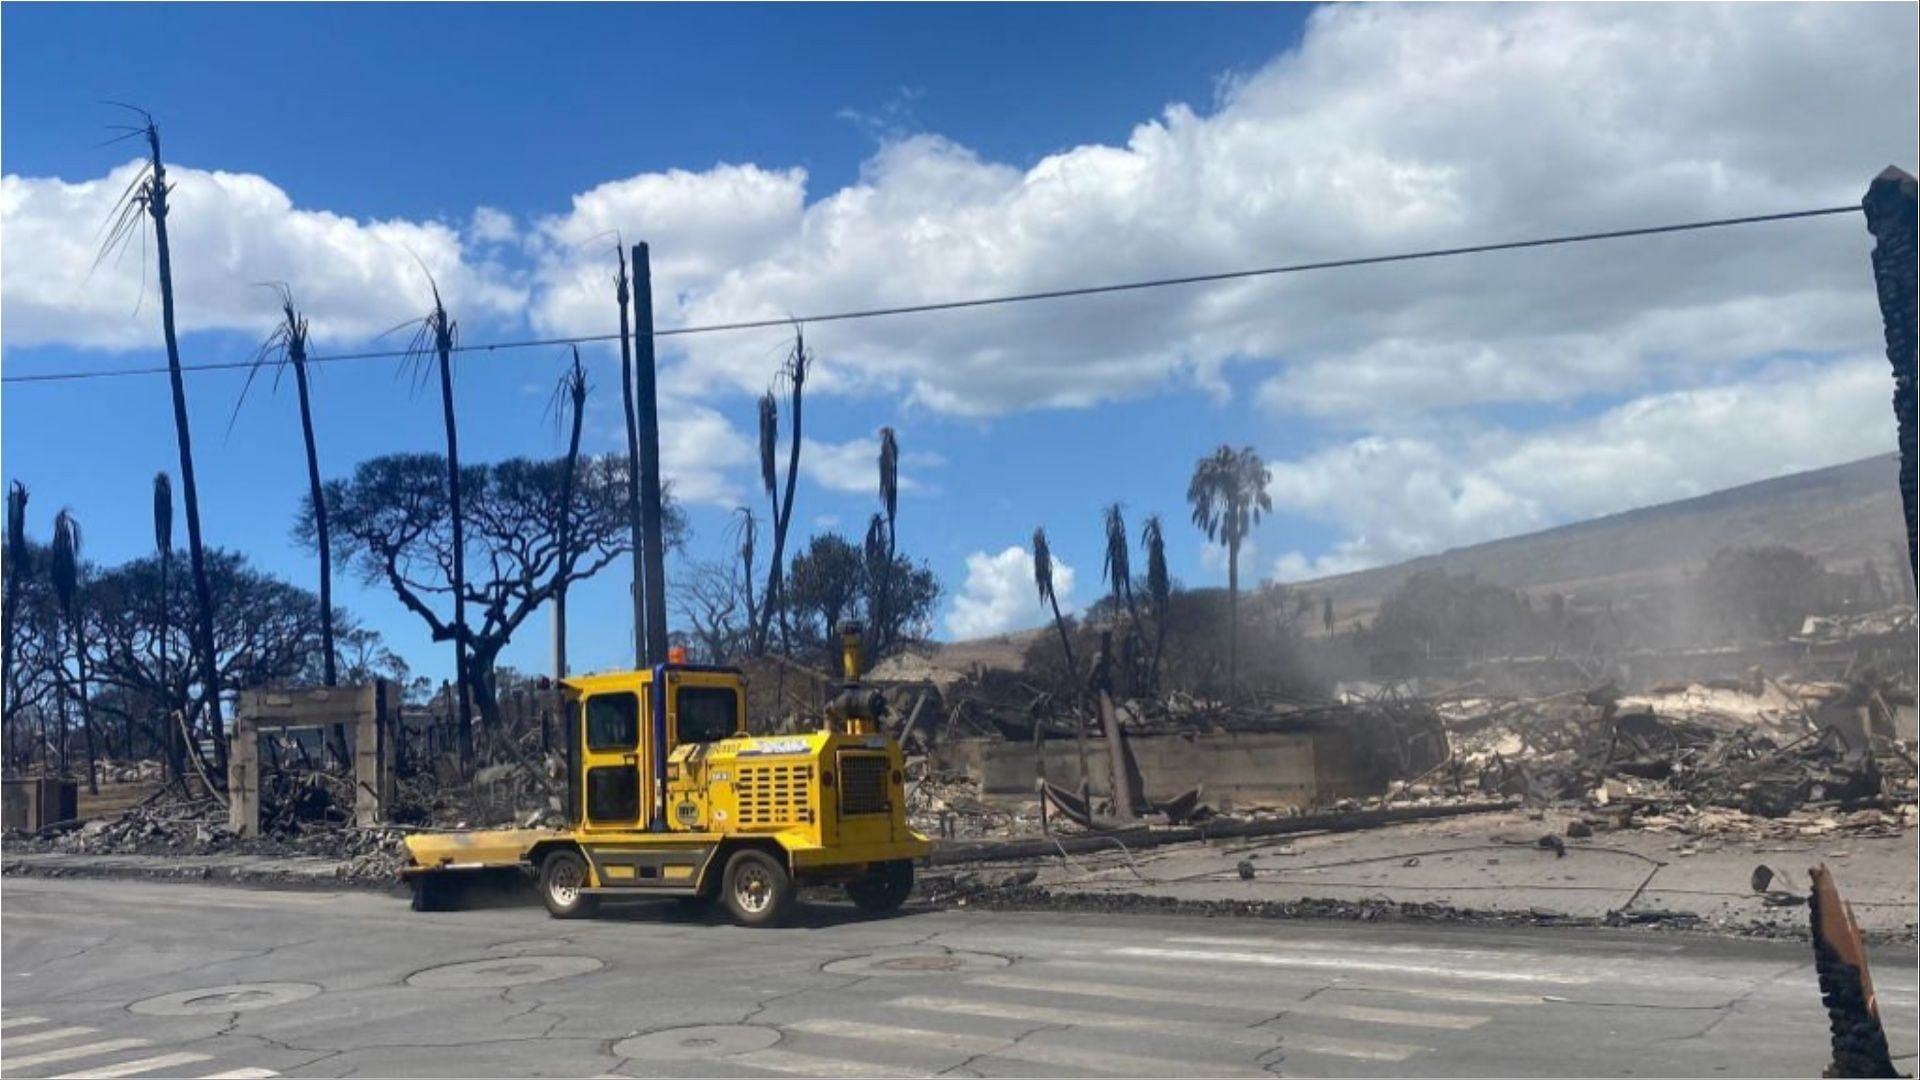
(1889, 205)
(243, 778)
(373, 753)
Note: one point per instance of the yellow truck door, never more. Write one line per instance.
(614, 775)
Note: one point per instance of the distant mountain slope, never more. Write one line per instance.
(1840, 515)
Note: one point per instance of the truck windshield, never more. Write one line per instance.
(707, 713)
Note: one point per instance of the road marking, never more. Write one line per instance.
(783, 1061)
(1401, 1017)
(923, 1037)
(1441, 993)
(1356, 950)
(134, 1068)
(1294, 960)
(52, 1035)
(20, 1021)
(1002, 1010)
(1010, 1049)
(1123, 992)
(68, 1053)
(1160, 974)
(248, 1074)
(1360, 1049)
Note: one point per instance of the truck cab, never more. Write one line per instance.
(668, 796)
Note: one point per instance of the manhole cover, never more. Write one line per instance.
(240, 997)
(507, 971)
(704, 1041)
(917, 963)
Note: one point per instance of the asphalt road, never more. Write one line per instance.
(131, 979)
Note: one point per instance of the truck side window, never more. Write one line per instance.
(707, 713)
(613, 722)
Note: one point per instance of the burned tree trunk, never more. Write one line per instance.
(1889, 204)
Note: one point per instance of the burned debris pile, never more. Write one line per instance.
(1750, 757)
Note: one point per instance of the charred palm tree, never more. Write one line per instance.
(146, 195)
(890, 501)
(65, 558)
(19, 565)
(1159, 589)
(432, 349)
(572, 391)
(1228, 494)
(1117, 566)
(795, 372)
(747, 530)
(286, 348)
(1043, 584)
(163, 552)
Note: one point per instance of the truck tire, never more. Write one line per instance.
(563, 876)
(884, 890)
(757, 890)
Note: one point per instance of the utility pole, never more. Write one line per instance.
(653, 561)
(638, 594)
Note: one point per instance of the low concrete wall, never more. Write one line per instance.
(1304, 768)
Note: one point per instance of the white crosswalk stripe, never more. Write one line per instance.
(1361, 1049)
(785, 1061)
(1046, 1014)
(72, 1053)
(1123, 992)
(1343, 963)
(29, 1047)
(14, 1042)
(135, 1068)
(1012, 1049)
(1161, 974)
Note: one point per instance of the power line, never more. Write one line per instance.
(985, 301)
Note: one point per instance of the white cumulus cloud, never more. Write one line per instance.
(228, 231)
(999, 595)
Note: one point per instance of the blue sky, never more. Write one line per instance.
(792, 159)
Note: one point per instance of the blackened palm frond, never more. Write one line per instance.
(65, 557)
(287, 344)
(1042, 565)
(570, 390)
(1118, 564)
(769, 439)
(162, 511)
(1159, 584)
(876, 541)
(19, 555)
(889, 473)
(745, 528)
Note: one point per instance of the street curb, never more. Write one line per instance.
(190, 874)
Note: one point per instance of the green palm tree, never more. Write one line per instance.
(1228, 494)
(66, 590)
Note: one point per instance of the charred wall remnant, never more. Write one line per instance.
(368, 710)
(1889, 205)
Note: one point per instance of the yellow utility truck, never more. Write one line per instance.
(669, 797)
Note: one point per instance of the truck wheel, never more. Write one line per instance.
(883, 891)
(563, 876)
(757, 890)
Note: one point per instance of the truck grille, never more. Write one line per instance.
(863, 784)
(773, 795)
